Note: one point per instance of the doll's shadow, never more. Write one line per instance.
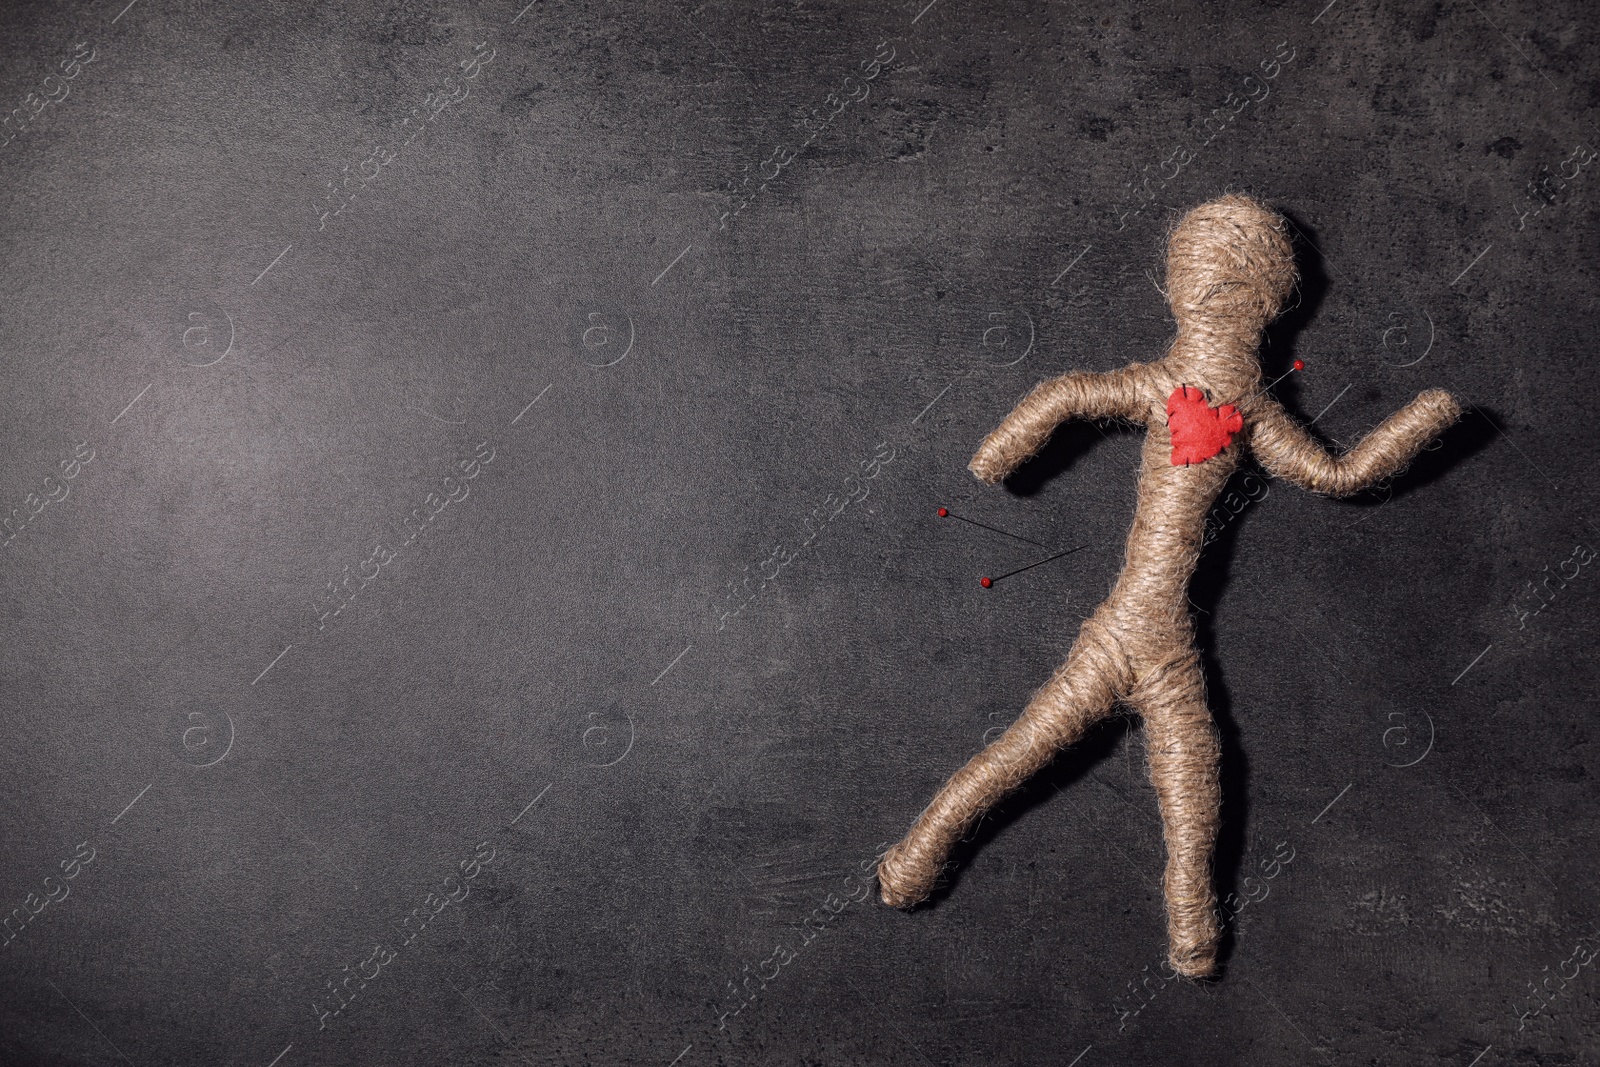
(1477, 428)
(1056, 778)
(1070, 442)
(1205, 593)
(1278, 340)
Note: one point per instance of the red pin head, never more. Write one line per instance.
(943, 512)
(1299, 364)
(986, 581)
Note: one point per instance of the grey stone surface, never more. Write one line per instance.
(622, 316)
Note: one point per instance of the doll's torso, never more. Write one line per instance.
(1151, 594)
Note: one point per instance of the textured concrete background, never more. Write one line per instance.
(473, 591)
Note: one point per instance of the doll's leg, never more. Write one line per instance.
(1185, 762)
(1080, 693)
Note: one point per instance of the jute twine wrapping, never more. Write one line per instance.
(1230, 268)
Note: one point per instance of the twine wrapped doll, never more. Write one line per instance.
(1229, 269)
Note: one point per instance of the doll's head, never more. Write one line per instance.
(1229, 265)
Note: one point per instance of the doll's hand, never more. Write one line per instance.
(990, 464)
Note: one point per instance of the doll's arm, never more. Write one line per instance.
(1287, 451)
(1112, 394)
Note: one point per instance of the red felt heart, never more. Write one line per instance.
(1199, 431)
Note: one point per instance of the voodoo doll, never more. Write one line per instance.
(1229, 269)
